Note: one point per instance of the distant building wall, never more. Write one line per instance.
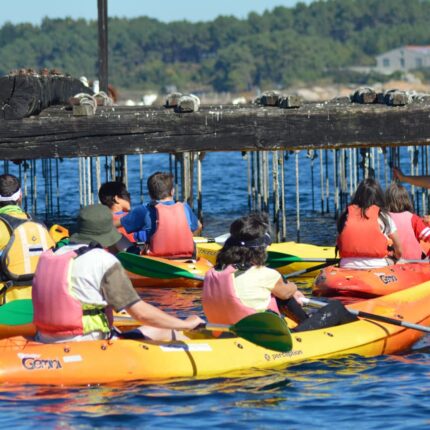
(405, 58)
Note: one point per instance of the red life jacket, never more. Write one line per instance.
(121, 229)
(56, 311)
(411, 248)
(220, 302)
(172, 237)
(362, 237)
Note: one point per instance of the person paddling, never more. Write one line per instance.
(240, 285)
(74, 287)
(365, 228)
(410, 227)
(170, 225)
(115, 196)
(21, 242)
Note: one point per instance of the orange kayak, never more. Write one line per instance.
(203, 356)
(352, 284)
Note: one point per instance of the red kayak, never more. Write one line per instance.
(351, 285)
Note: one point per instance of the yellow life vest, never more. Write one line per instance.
(28, 239)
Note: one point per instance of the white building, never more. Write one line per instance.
(403, 59)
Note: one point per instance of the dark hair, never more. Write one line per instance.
(397, 199)
(9, 185)
(368, 193)
(160, 185)
(109, 190)
(245, 229)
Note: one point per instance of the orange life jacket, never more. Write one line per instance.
(411, 249)
(361, 237)
(220, 302)
(172, 237)
(121, 229)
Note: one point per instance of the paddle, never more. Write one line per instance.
(58, 232)
(219, 239)
(152, 268)
(278, 259)
(375, 317)
(308, 270)
(17, 312)
(403, 261)
(20, 312)
(265, 329)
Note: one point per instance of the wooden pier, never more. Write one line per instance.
(120, 130)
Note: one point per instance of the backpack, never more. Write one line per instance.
(28, 240)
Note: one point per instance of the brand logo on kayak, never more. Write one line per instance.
(32, 363)
(280, 355)
(387, 279)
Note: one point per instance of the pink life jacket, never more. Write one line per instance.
(56, 311)
(411, 249)
(173, 237)
(220, 302)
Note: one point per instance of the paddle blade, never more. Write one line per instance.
(278, 259)
(16, 312)
(152, 268)
(58, 232)
(265, 329)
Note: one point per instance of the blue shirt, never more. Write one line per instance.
(140, 235)
(144, 217)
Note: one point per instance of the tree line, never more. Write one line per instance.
(279, 48)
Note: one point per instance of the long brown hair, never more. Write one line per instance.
(397, 199)
(368, 193)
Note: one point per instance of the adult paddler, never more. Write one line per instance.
(22, 240)
(76, 285)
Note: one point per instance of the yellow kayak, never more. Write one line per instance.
(285, 257)
(203, 356)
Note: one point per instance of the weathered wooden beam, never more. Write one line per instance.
(125, 130)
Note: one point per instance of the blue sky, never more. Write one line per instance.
(165, 10)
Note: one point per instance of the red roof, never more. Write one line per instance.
(418, 47)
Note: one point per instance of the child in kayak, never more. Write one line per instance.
(365, 228)
(169, 225)
(240, 285)
(115, 196)
(410, 227)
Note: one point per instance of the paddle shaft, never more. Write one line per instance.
(219, 239)
(367, 315)
(308, 270)
(265, 329)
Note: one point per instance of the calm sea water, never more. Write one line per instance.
(350, 393)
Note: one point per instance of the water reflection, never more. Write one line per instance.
(337, 386)
(179, 301)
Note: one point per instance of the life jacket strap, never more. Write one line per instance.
(92, 312)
